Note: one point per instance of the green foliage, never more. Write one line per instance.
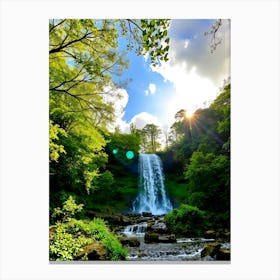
(149, 36)
(71, 236)
(155, 40)
(55, 149)
(186, 219)
(83, 57)
(149, 136)
(100, 231)
(208, 178)
(65, 245)
(200, 149)
(69, 209)
(119, 144)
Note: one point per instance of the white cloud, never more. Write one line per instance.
(119, 98)
(141, 119)
(191, 91)
(195, 73)
(195, 50)
(151, 89)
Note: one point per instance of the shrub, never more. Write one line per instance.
(186, 219)
(70, 236)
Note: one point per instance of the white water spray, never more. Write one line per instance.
(152, 196)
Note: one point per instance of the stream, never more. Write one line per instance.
(179, 249)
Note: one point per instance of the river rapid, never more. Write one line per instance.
(178, 249)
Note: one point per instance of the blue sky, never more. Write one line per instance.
(189, 80)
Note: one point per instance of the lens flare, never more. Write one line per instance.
(129, 154)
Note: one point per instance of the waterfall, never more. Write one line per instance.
(152, 196)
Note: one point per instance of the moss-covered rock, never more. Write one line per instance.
(131, 242)
(94, 251)
(210, 249)
(210, 234)
(151, 237)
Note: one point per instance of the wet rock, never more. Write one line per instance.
(141, 254)
(210, 249)
(223, 255)
(210, 234)
(125, 220)
(94, 251)
(167, 238)
(159, 227)
(147, 214)
(151, 237)
(131, 242)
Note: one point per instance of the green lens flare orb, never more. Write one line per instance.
(115, 151)
(130, 155)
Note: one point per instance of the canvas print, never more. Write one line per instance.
(139, 140)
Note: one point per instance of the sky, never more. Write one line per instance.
(191, 78)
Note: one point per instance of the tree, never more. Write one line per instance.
(150, 135)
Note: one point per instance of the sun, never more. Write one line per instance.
(189, 114)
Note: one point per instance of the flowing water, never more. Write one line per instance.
(152, 195)
(152, 199)
(184, 249)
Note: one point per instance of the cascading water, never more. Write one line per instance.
(152, 196)
(136, 230)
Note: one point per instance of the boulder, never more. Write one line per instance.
(210, 234)
(151, 237)
(93, 251)
(223, 255)
(125, 220)
(171, 238)
(210, 249)
(131, 242)
(159, 227)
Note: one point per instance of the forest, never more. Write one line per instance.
(94, 169)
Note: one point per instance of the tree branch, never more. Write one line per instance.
(51, 29)
(61, 47)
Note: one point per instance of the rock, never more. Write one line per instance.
(225, 234)
(147, 214)
(151, 237)
(125, 221)
(210, 234)
(94, 251)
(52, 230)
(159, 227)
(167, 238)
(131, 242)
(210, 249)
(223, 255)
